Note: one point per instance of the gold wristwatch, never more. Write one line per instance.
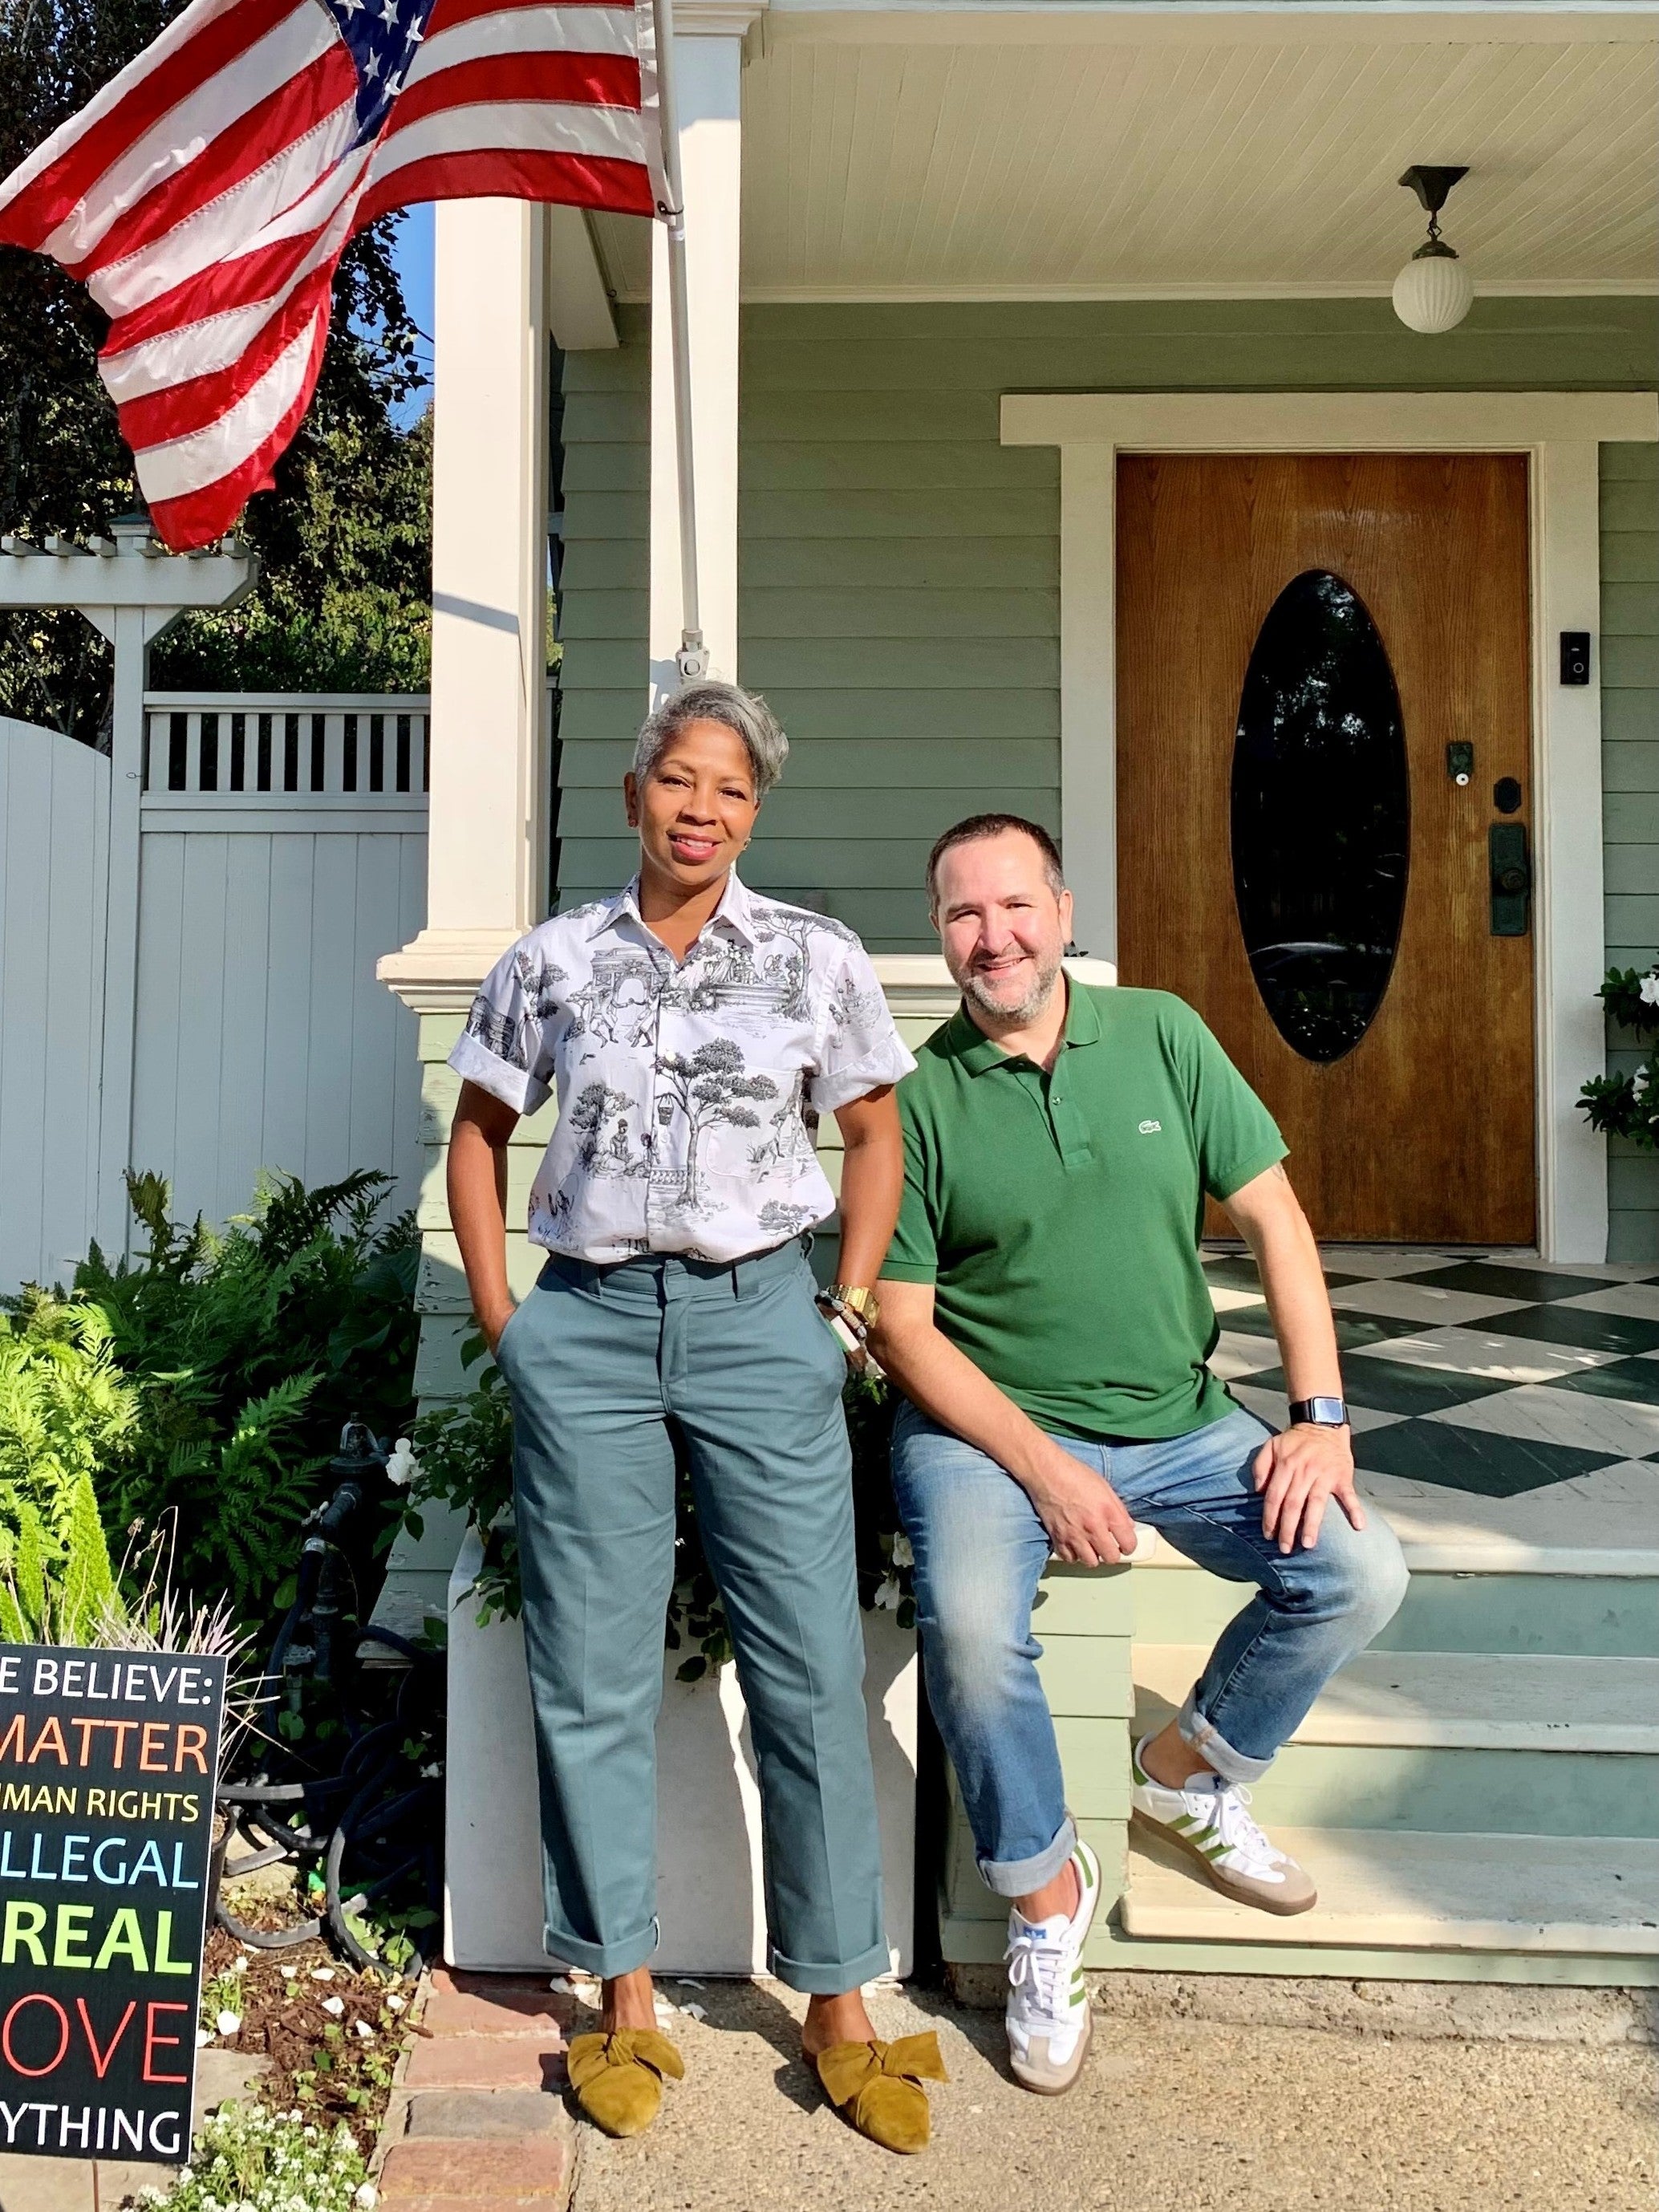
(864, 1305)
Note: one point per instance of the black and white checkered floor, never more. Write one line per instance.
(1501, 1398)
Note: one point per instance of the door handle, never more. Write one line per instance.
(1510, 869)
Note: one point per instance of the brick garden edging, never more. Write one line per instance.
(478, 2121)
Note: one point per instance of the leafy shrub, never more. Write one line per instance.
(249, 2159)
(65, 1413)
(463, 1455)
(1628, 1105)
(251, 1350)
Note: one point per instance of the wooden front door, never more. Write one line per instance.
(1301, 639)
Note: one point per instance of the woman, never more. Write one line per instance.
(693, 1031)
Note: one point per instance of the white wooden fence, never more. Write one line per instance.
(283, 849)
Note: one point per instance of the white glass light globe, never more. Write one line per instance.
(1432, 293)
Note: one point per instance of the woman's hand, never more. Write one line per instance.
(493, 1322)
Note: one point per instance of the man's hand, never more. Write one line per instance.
(1295, 1472)
(1085, 1516)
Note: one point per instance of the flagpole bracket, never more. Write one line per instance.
(692, 659)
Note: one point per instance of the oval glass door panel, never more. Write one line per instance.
(1321, 816)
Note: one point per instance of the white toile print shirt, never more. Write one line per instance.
(688, 1092)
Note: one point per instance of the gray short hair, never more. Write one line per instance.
(742, 712)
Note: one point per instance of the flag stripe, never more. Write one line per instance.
(196, 518)
(177, 140)
(449, 14)
(595, 133)
(532, 29)
(592, 80)
(181, 465)
(492, 173)
(261, 159)
(180, 409)
(199, 45)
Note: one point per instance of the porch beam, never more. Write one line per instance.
(579, 310)
(1152, 22)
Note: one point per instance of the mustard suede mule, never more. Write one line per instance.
(878, 2087)
(619, 2077)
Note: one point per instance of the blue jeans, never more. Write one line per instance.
(981, 1550)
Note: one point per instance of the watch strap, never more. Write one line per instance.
(1319, 1412)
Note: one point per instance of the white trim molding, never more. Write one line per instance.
(1559, 432)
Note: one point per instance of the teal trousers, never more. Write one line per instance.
(599, 1362)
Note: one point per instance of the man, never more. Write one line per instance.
(1045, 1312)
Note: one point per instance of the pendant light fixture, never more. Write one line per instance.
(1433, 292)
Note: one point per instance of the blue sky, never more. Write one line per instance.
(413, 254)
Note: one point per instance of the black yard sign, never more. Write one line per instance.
(108, 1765)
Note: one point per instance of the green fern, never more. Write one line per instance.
(66, 1413)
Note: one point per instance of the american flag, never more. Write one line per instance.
(206, 194)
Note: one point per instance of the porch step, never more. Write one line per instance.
(1464, 1700)
(1407, 1891)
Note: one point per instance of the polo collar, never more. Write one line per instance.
(976, 1052)
(735, 913)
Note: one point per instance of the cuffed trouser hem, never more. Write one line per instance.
(1213, 1748)
(1019, 1877)
(606, 1960)
(829, 1981)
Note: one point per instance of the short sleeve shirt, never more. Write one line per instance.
(689, 1092)
(1059, 1214)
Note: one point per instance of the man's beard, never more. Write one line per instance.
(1026, 1009)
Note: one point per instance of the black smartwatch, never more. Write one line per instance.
(1319, 1412)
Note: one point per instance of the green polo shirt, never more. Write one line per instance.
(1059, 1214)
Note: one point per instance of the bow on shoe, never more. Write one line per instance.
(878, 2087)
(590, 2055)
(619, 2077)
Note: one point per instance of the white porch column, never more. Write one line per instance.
(487, 854)
(708, 52)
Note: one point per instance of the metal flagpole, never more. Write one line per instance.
(692, 659)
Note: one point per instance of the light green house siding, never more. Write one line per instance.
(898, 568)
(1630, 787)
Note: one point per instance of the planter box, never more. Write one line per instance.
(709, 1897)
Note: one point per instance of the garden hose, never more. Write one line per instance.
(365, 1808)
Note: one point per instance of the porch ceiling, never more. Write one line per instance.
(900, 165)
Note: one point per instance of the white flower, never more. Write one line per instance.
(1651, 990)
(204, 2037)
(401, 1465)
(902, 1554)
(1639, 1081)
(366, 2197)
(888, 1595)
(239, 1966)
(365, 2030)
(288, 1973)
(336, 2005)
(395, 2004)
(228, 2023)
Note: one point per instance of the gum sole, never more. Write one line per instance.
(1212, 1874)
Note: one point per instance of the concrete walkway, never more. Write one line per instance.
(1172, 2116)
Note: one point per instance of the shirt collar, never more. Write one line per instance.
(736, 911)
(976, 1052)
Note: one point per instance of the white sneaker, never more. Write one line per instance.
(1049, 2019)
(1210, 1820)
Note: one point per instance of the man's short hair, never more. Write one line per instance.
(974, 827)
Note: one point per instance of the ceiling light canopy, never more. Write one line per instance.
(1433, 292)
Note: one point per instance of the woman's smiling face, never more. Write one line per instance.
(693, 807)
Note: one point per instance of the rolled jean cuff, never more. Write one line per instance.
(829, 1981)
(606, 1960)
(1212, 1747)
(1019, 1877)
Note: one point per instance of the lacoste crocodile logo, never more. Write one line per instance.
(1150, 1128)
